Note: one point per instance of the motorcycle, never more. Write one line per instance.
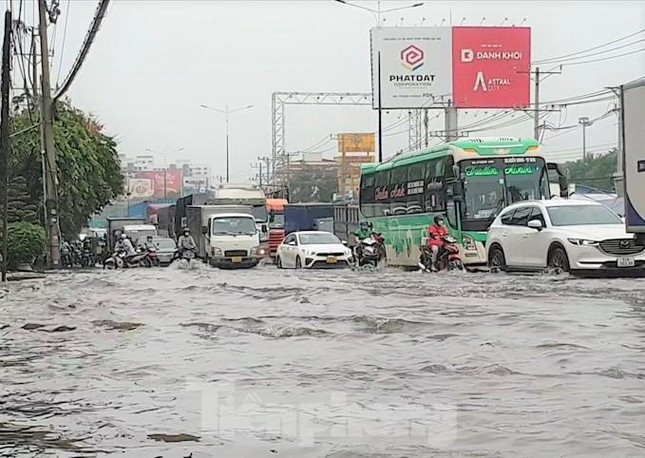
(184, 256)
(371, 251)
(150, 259)
(119, 260)
(447, 258)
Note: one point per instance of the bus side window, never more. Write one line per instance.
(435, 186)
(367, 198)
(415, 188)
(381, 186)
(398, 190)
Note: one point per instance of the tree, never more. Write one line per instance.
(21, 206)
(596, 171)
(89, 172)
(313, 184)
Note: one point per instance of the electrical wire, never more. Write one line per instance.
(62, 50)
(606, 58)
(589, 49)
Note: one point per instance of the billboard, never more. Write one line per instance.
(491, 67)
(165, 183)
(633, 136)
(140, 188)
(411, 66)
(356, 143)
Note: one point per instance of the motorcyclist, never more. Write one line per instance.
(126, 245)
(186, 242)
(364, 232)
(436, 232)
(149, 243)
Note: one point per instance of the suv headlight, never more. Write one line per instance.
(309, 252)
(469, 243)
(583, 242)
(216, 251)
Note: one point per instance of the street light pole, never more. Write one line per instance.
(377, 15)
(584, 122)
(227, 112)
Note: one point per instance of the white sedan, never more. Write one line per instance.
(582, 237)
(310, 249)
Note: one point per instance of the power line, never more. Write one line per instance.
(62, 49)
(589, 49)
(87, 44)
(606, 58)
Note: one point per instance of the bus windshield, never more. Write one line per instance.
(491, 184)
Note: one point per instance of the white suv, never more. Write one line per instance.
(565, 235)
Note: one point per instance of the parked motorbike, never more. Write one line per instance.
(447, 258)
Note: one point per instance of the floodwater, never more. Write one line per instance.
(207, 363)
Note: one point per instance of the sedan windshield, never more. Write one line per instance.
(318, 239)
(234, 225)
(574, 215)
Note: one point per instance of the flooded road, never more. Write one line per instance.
(170, 363)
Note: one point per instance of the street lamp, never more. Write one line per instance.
(164, 155)
(378, 11)
(584, 122)
(227, 113)
(377, 15)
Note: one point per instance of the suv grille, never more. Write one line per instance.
(621, 247)
(338, 254)
(231, 253)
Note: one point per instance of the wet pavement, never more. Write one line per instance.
(202, 363)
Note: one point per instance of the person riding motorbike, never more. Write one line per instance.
(149, 243)
(436, 232)
(125, 244)
(186, 242)
(364, 231)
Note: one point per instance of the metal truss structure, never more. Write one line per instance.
(279, 100)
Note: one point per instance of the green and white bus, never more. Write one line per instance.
(470, 181)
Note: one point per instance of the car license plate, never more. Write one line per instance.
(331, 260)
(237, 259)
(626, 262)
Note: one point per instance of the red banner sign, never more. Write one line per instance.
(166, 183)
(491, 67)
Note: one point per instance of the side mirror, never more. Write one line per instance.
(204, 230)
(292, 243)
(344, 242)
(564, 186)
(535, 224)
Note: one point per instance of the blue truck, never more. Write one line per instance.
(308, 217)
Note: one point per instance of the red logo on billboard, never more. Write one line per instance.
(412, 57)
(166, 184)
(491, 67)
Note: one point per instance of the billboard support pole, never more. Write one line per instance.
(380, 113)
(425, 126)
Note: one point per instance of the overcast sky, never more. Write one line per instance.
(155, 62)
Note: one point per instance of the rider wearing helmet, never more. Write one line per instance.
(364, 231)
(126, 245)
(436, 232)
(186, 241)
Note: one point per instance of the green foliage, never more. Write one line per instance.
(89, 172)
(25, 242)
(21, 207)
(597, 171)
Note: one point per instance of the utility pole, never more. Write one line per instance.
(5, 132)
(584, 122)
(451, 123)
(537, 74)
(47, 112)
(260, 165)
(425, 128)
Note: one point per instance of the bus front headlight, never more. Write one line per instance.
(469, 243)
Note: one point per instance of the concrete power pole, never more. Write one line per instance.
(5, 139)
(47, 113)
(451, 123)
(536, 111)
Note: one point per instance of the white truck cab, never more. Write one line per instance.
(232, 240)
